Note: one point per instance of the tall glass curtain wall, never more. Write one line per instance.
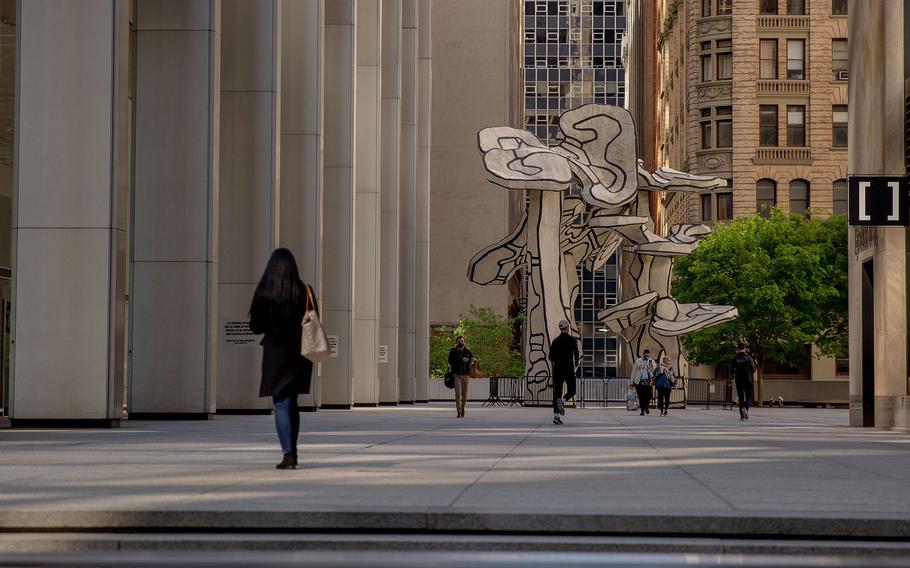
(572, 57)
(7, 123)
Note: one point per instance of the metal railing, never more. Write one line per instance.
(600, 392)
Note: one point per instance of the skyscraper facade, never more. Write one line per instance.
(572, 56)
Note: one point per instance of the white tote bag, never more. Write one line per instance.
(313, 343)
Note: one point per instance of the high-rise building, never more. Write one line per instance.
(755, 91)
(879, 55)
(158, 152)
(572, 56)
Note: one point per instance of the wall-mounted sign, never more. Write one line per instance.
(333, 345)
(237, 332)
(383, 353)
(879, 201)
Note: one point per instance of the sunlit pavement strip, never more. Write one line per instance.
(500, 459)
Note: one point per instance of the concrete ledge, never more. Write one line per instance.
(715, 525)
(64, 423)
(171, 416)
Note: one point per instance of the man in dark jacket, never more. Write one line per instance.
(460, 360)
(564, 356)
(742, 369)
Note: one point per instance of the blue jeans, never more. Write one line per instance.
(287, 422)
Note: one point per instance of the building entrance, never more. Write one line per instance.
(868, 369)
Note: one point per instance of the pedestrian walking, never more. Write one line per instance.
(564, 356)
(664, 380)
(279, 303)
(643, 379)
(743, 369)
(460, 361)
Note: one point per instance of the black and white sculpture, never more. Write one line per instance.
(587, 196)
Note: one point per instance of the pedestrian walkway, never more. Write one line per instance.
(799, 472)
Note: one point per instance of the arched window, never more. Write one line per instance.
(840, 197)
(765, 196)
(799, 196)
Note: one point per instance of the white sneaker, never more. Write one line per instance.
(562, 405)
(557, 419)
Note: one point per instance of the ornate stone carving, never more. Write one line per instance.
(715, 161)
(715, 25)
(715, 91)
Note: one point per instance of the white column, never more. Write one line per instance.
(390, 125)
(175, 209)
(422, 277)
(407, 246)
(248, 202)
(336, 386)
(69, 212)
(301, 164)
(367, 220)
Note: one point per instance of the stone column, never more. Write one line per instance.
(336, 386)
(70, 192)
(407, 246)
(390, 126)
(422, 280)
(248, 202)
(366, 210)
(175, 209)
(301, 164)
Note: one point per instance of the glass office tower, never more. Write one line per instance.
(572, 56)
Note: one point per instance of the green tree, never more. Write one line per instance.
(787, 277)
(488, 335)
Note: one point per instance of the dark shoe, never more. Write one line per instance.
(746, 413)
(556, 419)
(647, 411)
(289, 462)
(642, 412)
(742, 413)
(561, 404)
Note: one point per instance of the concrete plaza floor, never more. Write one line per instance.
(506, 470)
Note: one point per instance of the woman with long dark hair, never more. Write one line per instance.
(278, 307)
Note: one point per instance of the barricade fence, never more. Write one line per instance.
(601, 392)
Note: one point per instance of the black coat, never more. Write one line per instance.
(456, 362)
(284, 370)
(564, 355)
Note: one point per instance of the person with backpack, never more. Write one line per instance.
(664, 381)
(460, 361)
(643, 379)
(564, 356)
(743, 369)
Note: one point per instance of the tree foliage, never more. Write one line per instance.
(488, 335)
(787, 277)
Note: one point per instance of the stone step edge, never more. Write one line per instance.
(749, 525)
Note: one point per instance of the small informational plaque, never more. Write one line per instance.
(333, 345)
(383, 353)
(237, 332)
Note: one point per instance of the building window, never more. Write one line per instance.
(724, 7)
(839, 126)
(796, 59)
(765, 196)
(796, 125)
(839, 59)
(768, 58)
(530, 36)
(706, 8)
(796, 7)
(706, 74)
(724, 127)
(706, 129)
(767, 6)
(840, 197)
(767, 119)
(839, 7)
(799, 197)
(724, 65)
(706, 207)
(724, 206)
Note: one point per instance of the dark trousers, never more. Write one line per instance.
(287, 422)
(663, 399)
(558, 382)
(644, 396)
(744, 393)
